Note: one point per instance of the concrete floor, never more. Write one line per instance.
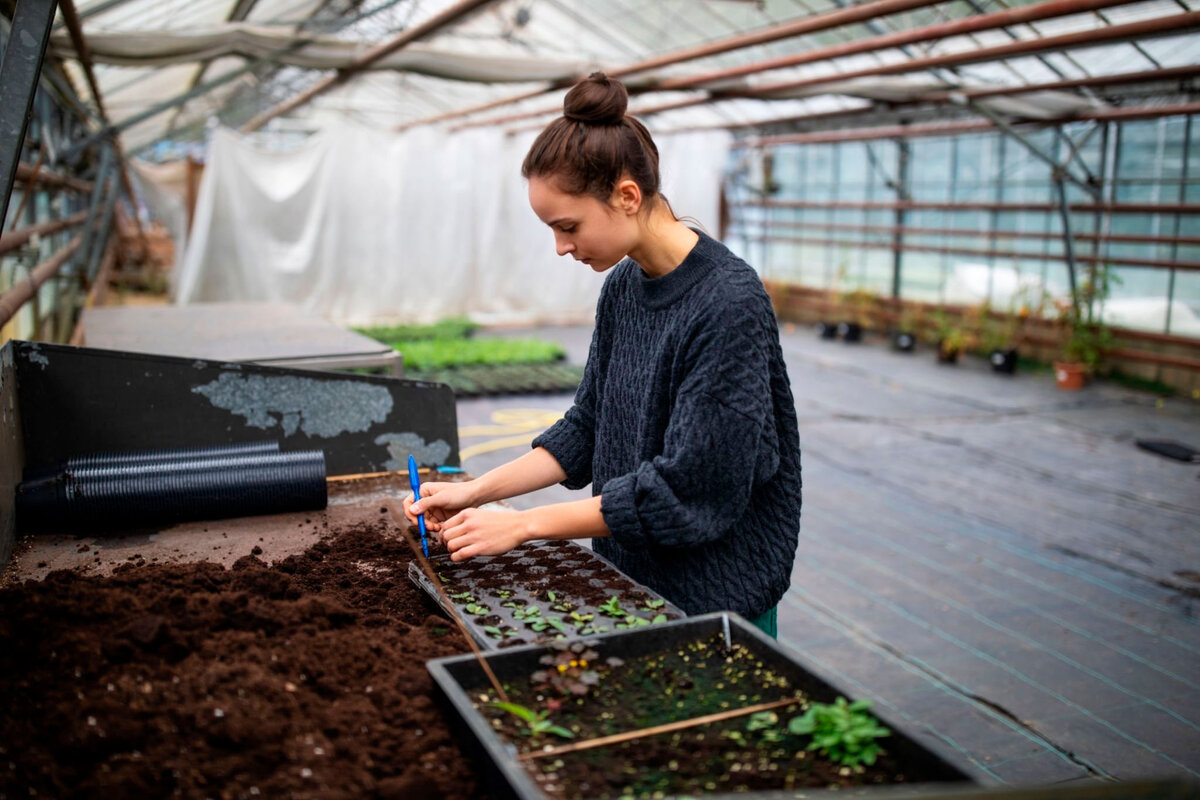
(987, 557)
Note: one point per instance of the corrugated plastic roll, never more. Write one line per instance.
(126, 495)
(151, 456)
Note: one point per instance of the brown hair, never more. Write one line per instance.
(593, 144)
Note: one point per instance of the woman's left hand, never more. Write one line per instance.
(477, 532)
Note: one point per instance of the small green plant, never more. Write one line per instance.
(612, 607)
(476, 609)
(527, 613)
(861, 304)
(843, 731)
(498, 633)
(453, 328)
(536, 722)
(652, 604)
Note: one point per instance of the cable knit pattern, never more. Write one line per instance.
(685, 425)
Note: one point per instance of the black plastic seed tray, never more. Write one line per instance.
(931, 766)
(543, 591)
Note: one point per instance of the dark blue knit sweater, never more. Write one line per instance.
(685, 424)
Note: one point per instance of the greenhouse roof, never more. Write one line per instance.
(167, 68)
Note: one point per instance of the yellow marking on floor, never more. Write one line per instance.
(515, 427)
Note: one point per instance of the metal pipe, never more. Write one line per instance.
(969, 126)
(25, 174)
(1151, 76)
(84, 54)
(786, 30)
(19, 71)
(887, 230)
(14, 239)
(1159, 26)
(450, 15)
(1191, 266)
(12, 300)
(918, 205)
(958, 27)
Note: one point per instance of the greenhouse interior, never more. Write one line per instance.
(600, 398)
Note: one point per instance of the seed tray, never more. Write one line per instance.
(542, 591)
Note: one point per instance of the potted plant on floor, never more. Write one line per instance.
(859, 305)
(999, 335)
(949, 336)
(1086, 340)
(904, 334)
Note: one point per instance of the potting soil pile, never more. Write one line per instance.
(302, 679)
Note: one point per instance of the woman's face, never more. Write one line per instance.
(598, 234)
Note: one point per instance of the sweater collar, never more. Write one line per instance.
(662, 292)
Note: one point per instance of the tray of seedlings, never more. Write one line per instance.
(696, 706)
(539, 592)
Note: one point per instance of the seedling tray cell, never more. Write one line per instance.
(715, 759)
(540, 592)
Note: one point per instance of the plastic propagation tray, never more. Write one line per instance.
(930, 766)
(543, 591)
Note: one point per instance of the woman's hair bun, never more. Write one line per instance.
(596, 100)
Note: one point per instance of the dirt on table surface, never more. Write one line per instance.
(304, 679)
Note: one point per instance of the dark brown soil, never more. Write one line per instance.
(304, 679)
(736, 755)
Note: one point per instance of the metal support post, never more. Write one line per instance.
(903, 195)
(100, 240)
(19, 75)
(97, 199)
(1068, 240)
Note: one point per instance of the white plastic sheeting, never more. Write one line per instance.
(361, 226)
(164, 188)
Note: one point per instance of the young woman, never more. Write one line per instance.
(684, 423)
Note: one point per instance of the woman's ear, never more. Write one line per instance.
(627, 196)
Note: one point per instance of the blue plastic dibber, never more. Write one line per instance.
(414, 480)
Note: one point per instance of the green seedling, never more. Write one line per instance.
(543, 623)
(581, 619)
(612, 607)
(536, 723)
(504, 594)
(653, 604)
(658, 618)
(767, 722)
(561, 608)
(464, 597)
(476, 609)
(843, 731)
(632, 621)
(551, 596)
(511, 604)
(528, 612)
(498, 633)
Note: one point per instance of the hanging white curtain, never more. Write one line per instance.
(361, 226)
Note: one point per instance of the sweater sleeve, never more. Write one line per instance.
(719, 443)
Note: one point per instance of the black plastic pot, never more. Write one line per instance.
(123, 495)
(458, 678)
(903, 341)
(850, 331)
(826, 330)
(1003, 361)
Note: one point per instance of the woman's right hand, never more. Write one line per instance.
(439, 502)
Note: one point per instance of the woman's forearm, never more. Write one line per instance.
(535, 470)
(576, 519)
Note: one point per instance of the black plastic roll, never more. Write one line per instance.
(151, 456)
(132, 494)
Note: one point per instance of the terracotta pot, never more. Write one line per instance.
(1070, 376)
